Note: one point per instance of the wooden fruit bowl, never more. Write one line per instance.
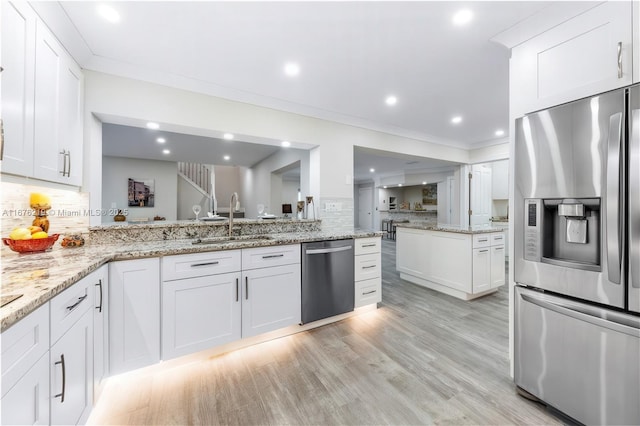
(31, 246)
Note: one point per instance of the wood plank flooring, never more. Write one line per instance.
(422, 358)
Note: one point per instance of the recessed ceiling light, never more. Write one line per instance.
(399, 184)
(424, 183)
(391, 100)
(152, 125)
(109, 13)
(499, 132)
(456, 120)
(372, 170)
(291, 69)
(166, 151)
(228, 136)
(285, 144)
(227, 158)
(161, 140)
(462, 17)
(385, 187)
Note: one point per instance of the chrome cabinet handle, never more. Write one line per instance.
(483, 251)
(369, 267)
(237, 290)
(369, 245)
(246, 288)
(612, 221)
(619, 59)
(64, 160)
(499, 248)
(69, 164)
(99, 307)
(64, 378)
(195, 265)
(484, 240)
(271, 256)
(75, 305)
(368, 292)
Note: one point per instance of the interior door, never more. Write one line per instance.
(480, 195)
(365, 208)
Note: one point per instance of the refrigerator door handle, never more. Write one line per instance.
(612, 320)
(634, 200)
(613, 199)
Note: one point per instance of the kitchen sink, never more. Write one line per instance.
(229, 240)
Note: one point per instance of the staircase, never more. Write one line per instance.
(198, 175)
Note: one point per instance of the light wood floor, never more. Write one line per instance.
(422, 358)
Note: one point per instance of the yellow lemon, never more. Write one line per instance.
(40, 234)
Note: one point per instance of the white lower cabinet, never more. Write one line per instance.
(367, 271)
(200, 313)
(134, 314)
(481, 269)
(25, 370)
(271, 299)
(497, 266)
(71, 370)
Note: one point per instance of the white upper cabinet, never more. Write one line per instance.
(42, 101)
(588, 54)
(18, 63)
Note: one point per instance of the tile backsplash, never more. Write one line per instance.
(69, 212)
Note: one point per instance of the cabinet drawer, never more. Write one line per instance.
(368, 292)
(264, 257)
(481, 240)
(68, 306)
(23, 344)
(498, 239)
(367, 266)
(200, 264)
(367, 245)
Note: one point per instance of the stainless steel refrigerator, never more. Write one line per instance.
(577, 257)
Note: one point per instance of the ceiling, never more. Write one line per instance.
(352, 55)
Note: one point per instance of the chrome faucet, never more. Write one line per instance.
(232, 207)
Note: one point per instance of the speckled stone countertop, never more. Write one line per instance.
(41, 276)
(450, 228)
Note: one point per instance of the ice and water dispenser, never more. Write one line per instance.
(564, 232)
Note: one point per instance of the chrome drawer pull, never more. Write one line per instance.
(369, 245)
(499, 248)
(271, 256)
(99, 307)
(483, 251)
(75, 305)
(369, 292)
(483, 240)
(194, 265)
(64, 379)
(369, 267)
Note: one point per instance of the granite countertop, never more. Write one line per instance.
(41, 276)
(189, 223)
(484, 229)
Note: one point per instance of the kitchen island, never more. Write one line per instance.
(462, 262)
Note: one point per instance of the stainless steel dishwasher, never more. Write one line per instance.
(327, 279)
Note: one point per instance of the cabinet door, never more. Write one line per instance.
(27, 402)
(71, 369)
(412, 250)
(200, 313)
(134, 314)
(481, 269)
(497, 266)
(271, 299)
(71, 107)
(99, 281)
(449, 260)
(586, 55)
(18, 62)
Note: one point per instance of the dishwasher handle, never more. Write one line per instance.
(328, 250)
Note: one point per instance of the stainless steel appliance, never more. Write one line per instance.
(327, 279)
(577, 257)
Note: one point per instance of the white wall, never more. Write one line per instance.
(186, 197)
(110, 97)
(289, 195)
(116, 171)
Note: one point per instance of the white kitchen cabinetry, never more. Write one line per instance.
(201, 301)
(588, 54)
(42, 101)
(99, 283)
(271, 293)
(25, 370)
(18, 62)
(458, 264)
(367, 271)
(134, 314)
(71, 354)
